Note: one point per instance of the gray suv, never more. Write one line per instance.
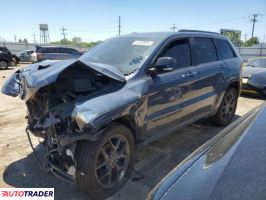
(56, 53)
(126, 92)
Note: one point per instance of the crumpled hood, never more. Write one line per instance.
(44, 73)
(38, 78)
(247, 71)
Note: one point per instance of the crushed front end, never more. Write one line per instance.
(52, 92)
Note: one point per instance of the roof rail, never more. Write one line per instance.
(197, 31)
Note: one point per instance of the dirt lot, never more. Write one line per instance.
(19, 169)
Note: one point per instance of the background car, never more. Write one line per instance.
(229, 166)
(27, 56)
(254, 77)
(5, 58)
(56, 53)
(15, 59)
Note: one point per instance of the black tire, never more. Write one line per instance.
(90, 178)
(227, 108)
(3, 64)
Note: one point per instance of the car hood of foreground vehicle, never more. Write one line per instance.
(44, 73)
(232, 165)
(247, 71)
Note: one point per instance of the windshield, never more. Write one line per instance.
(257, 63)
(124, 53)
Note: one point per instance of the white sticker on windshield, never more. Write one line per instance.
(142, 43)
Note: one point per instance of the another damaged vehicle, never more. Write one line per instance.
(94, 111)
(229, 166)
(254, 77)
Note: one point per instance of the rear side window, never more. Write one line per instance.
(180, 52)
(225, 50)
(203, 51)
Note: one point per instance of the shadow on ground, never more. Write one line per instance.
(252, 96)
(154, 162)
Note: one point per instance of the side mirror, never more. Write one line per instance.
(163, 64)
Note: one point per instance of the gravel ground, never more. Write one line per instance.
(19, 169)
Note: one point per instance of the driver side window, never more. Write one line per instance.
(180, 51)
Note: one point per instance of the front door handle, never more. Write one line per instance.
(173, 98)
(190, 74)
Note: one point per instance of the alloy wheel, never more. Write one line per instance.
(229, 106)
(112, 161)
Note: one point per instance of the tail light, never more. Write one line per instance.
(39, 56)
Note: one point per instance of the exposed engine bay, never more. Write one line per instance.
(60, 138)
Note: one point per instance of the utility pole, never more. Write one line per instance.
(173, 27)
(64, 33)
(246, 35)
(119, 25)
(254, 20)
(34, 38)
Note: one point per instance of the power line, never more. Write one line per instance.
(218, 22)
(254, 20)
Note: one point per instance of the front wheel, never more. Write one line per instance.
(105, 165)
(3, 64)
(227, 108)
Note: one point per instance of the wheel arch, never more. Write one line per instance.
(236, 85)
(130, 123)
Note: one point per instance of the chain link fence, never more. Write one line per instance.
(16, 47)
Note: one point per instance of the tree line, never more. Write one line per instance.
(76, 41)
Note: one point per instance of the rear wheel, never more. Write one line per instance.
(227, 108)
(105, 165)
(3, 64)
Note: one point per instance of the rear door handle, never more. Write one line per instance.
(221, 65)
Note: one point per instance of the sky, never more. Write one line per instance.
(97, 20)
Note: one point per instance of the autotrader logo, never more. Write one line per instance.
(27, 193)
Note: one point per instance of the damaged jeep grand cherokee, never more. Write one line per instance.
(92, 112)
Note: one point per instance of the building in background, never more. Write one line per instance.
(233, 35)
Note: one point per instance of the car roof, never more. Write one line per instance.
(55, 47)
(173, 34)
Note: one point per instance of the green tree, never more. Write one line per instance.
(251, 41)
(76, 40)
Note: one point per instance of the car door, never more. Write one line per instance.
(209, 82)
(187, 93)
(167, 90)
